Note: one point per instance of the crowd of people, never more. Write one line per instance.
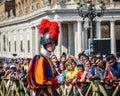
(82, 68)
(73, 69)
(87, 67)
(13, 69)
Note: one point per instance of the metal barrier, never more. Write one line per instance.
(18, 88)
(13, 88)
(95, 88)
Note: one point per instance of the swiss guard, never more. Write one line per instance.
(42, 76)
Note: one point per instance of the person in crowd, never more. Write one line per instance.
(93, 63)
(55, 62)
(42, 77)
(88, 75)
(79, 78)
(100, 71)
(11, 72)
(2, 72)
(82, 58)
(99, 55)
(71, 72)
(88, 70)
(73, 60)
(80, 67)
(113, 73)
(64, 54)
(26, 66)
(63, 58)
(113, 67)
(62, 68)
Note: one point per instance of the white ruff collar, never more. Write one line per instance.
(45, 52)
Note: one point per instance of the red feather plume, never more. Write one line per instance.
(43, 26)
(51, 27)
(54, 30)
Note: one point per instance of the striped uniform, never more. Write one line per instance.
(41, 76)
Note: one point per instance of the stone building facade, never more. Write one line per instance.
(19, 36)
(7, 9)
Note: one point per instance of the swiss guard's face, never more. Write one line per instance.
(51, 46)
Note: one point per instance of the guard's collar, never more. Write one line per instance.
(45, 52)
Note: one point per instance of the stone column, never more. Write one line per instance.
(4, 43)
(75, 39)
(32, 41)
(25, 43)
(70, 39)
(18, 42)
(12, 43)
(59, 47)
(79, 29)
(98, 29)
(37, 40)
(83, 40)
(7, 47)
(20, 48)
(112, 36)
(85, 33)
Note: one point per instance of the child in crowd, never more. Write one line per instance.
(88, 70)
(88, 75)
(93, 64)
(73, 60)
(80, 76)
(71, 72)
